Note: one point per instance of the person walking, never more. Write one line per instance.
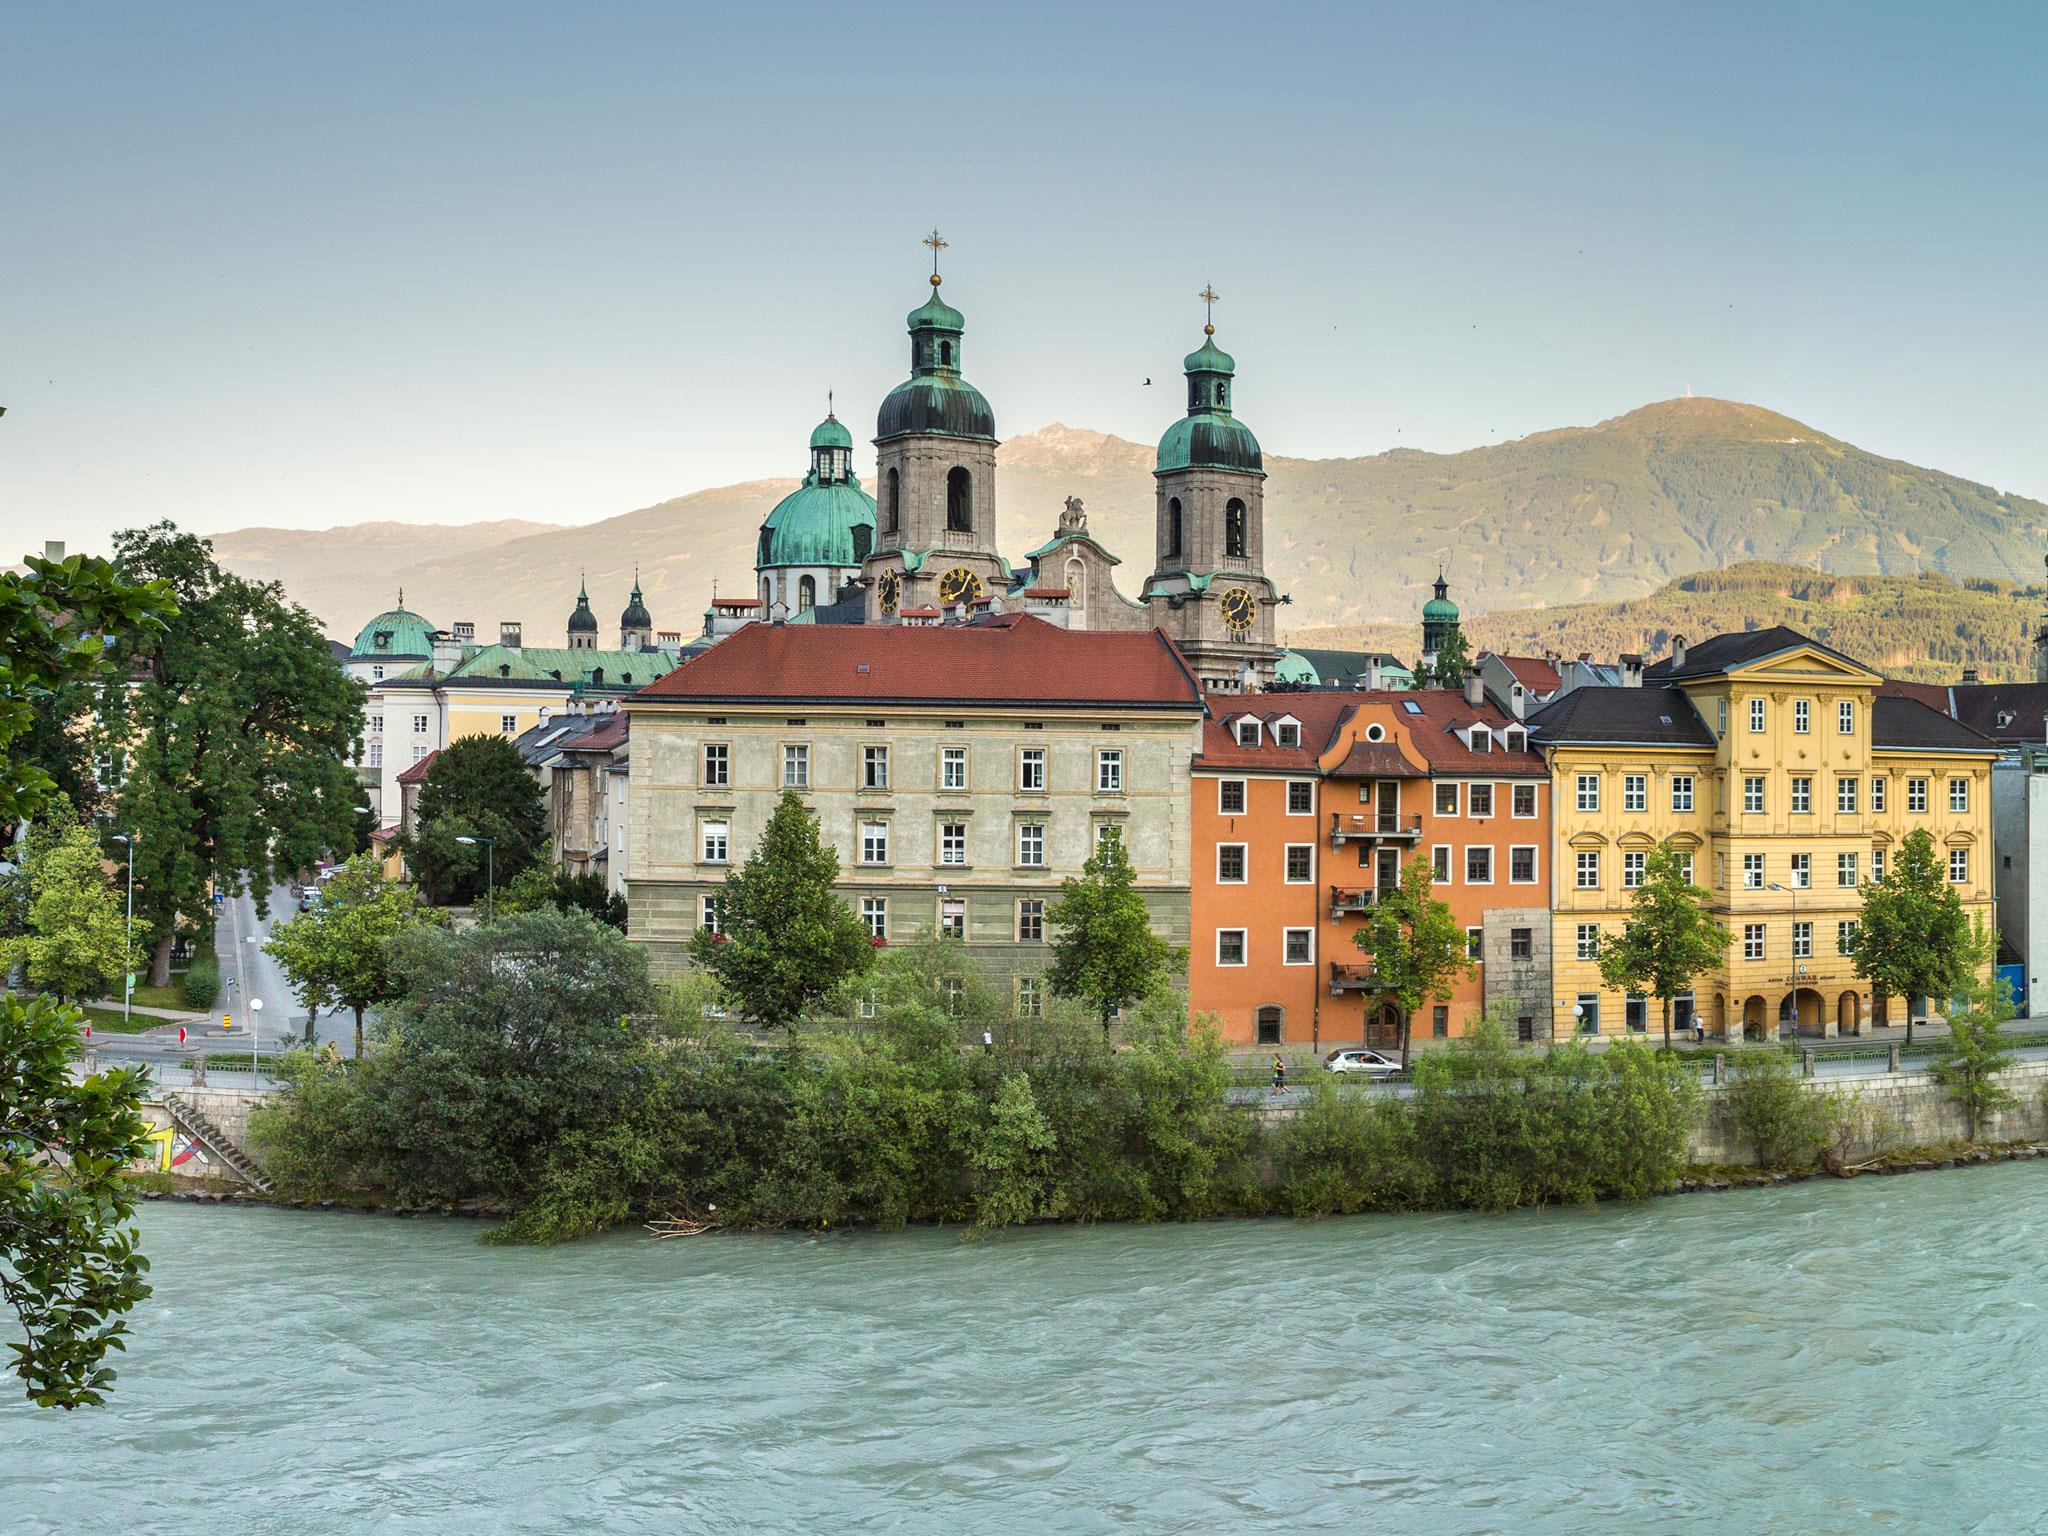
(1279, 1073)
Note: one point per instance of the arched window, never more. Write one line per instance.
(1236, 539)
(1270, 1020)
(863, 541)
(1173, 526)
(945, 354)
(806, 594)
(1222, 394)
(959, 501)
(890, 502)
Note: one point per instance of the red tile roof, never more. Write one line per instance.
(1933, 695)
(1533, 673)
(417, 773)
(1438, 714)
(1320, 713)
(735, 602)
(1012, 659)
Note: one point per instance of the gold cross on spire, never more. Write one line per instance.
(937, 243)
(1208, 296)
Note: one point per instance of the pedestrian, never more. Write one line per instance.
(1279, 1073)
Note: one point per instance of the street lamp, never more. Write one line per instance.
(128, 934)
(490, 872)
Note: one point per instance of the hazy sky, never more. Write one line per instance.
(297, 264)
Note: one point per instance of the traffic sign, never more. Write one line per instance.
(88, 1031)
(181, 1034)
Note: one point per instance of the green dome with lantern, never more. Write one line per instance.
(828, 520)
(1209, 436)
(935, 399)
(398, 634)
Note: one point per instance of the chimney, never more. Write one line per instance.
(508, 633)
(1969, 676)
(53, 549)
(465, 632)
(1475, 688)
(1631, 670)
(1373, 681)
(448, 648)
(1518, 700)
(669, 639)
(1677, 652)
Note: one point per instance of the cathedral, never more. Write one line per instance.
(922, 549)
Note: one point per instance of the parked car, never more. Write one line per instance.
(308, 900)
(1371, 1063)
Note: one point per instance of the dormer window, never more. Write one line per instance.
(1481, 738)
(1247, 733)
(1514, 739)
(1287, 733)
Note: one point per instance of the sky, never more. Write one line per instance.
(303, 265)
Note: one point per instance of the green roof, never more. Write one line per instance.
(1439, 608)
(1210, 440)
(1209, 358)
(935, 314)
(399, 633)
(819, 525)
(554, 664)
(831, 433)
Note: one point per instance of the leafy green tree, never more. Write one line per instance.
(478, 787)
(1416, 945)
(1013, 1157)
(785, 939)
(236, 735)
(537, 887)
(75, 938)
(1913, 939)
(1771, 1110)
(1453, 660)
(340, 952)
(1669, 938)
(1969, 1059)
(1104, 952)
(68, 1264)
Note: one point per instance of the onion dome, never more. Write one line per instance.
(935, 399)
(636, 615)
(398, 634)
(582, 621)
(828, 520)
(1209, 436)
(1441, 606)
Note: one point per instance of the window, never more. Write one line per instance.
(953, 768)
(1589, 941)
(1525, 801)
(1236, 538)
(1636, 1013)
(1635, 792)
(1300, 863)
(1447, 799)
(1802, 717)
(952, 842)
(1522, 864)
(376, 758)
(1440, 863)
(1959, 866)
(1681, 792)
(419, 725)
(1030, 998)
(1031, 921)
(1721, 720)
(1109, 771)
(874, 767)
(1481, 739)
(874, 911)
(717, 764)
(1479, 800)
(1684, 866)
(1756, 714)
(1802, 940)
(1959, 795)
(1752, 871)
(1802, 871)
(419, 752)
(1877, 794)
(1845, 717)
(377, 673)
(1031, 844)
(1845, 869)
(1230, 864)
(714, 842)
(1589, 871)
(1030, 770)
(1301, 797)
(1634, 862)
(1877, 863)
(1475, 943)
(1802, 794)
(874, 842)
(1589, 791)
(1521, 944)
(1107, 832)
(952, 919)
(1916, 797)
(376, 723)
(1479, 865)
(1230, 797)
(1247, 733)
(707, 913)
(1588, 1013)
(1287, 733)
(796, 767)
(1525, 1028)
(1440, 1021)
(1297, 946)
(1845, 937)
(1846, 796)
(959, 500)
(1752, 941)
(956, 995)
(1230, 946)
(1753, 793)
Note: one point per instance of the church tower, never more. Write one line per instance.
(935, 477)
(582, 623)
(636, 625)
(1208, 587)
(1439, 618)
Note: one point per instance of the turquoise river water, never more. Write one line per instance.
(1818, 1358)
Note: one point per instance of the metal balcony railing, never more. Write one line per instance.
(1365, 826)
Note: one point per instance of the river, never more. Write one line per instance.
(1823, 1357)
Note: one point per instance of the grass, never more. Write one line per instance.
(107, 1021)
(168, 996)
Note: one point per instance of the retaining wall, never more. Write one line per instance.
(1921, 1112)
(228, 1108)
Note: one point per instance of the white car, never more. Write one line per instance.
(1371, 1063)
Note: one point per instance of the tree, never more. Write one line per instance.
(1913, 939)
(68, 1265)
(1104, 952)
(1417, 947)
(1453, 660)
(538, 887)
(480, 788)
(235, 734)
(1976, 1048)
(341, 950)
(1669, 938)
(784, 938)
(75, 938)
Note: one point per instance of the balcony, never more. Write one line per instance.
(1348, 976)
(1344, 902)
(1371, 826)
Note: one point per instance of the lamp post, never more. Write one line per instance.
(128, 933)
(490, 872)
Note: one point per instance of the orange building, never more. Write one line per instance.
(1306, 806)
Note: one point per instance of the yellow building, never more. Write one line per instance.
(1788, 775)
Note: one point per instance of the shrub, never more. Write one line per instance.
(1772, 1112)
(200, 984)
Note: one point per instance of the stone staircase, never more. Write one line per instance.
(200, 1128)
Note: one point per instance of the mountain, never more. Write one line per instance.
(1606, 512)
(340, 570)
(1923, 628)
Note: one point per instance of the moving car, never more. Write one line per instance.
(1371, 1063)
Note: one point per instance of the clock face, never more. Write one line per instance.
(1239, 608)
(959, 585)
(889, 591)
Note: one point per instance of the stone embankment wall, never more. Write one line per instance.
(228, 1108)
(1911, 1108)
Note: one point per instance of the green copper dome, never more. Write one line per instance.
(819, 525)
(1441, 606)
(1209, 358)
(1209, 436)
(831, 433)
(935, 399)
(399, 634)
